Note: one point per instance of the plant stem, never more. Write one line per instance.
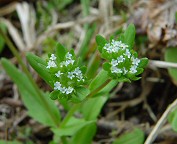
(76, 106)
(69, 115)
(98, 89)
(64, 140)
(160, 123)
(25, 70)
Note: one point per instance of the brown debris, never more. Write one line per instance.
(157, 19)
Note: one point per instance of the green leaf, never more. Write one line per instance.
(2, 42)
(85, 43)
(58, 4)
(84, 135)
(99, 80)
(139, 71)
(134, 137)
(135, 78)
(143, 62)
(73, 126)
(108, 87)
(92, 107)
(101, 41)
(64, 103)
(93, 66)
(54, 95)
(106, 66)
(60, 52)
(9, 142)
(36, 58)
(124, 79)
(132, 76)
(82, 92)
(170, 56)
(172, 118)
(129, 35)
(39, 65)
(105, 55)
(174, 122)
(31, 99)
(121, 37)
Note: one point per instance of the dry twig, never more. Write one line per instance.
(160, 123)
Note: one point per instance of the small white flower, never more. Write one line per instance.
(123, 46)
(135, 61)
(115, 70)
(80, 77)
(133, 69)
(127, 53)
(69, 90)
(115, 48)
(113, 42)
(57, 85)
(58, 74)
(77, 71)
(114, 62)
(125, 71)
(51, 64)
(63, 89)
(71, 75)
(67, 62)
(53, 57)
(120, 59)
(116, 43)
(68, 55)
(72, 61)
(108, 48)
(78, 74)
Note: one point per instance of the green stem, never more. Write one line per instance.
(64, 140)
(76, 106)
(25, 70)
(98, 89)
(69, 114)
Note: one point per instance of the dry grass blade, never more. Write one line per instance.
(55, 28)
(161, 64)
(27, 19)
(8, 9)
(160, 123)
(14, 34)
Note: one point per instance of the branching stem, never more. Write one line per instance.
(76, 106)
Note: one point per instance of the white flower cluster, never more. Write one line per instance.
(51, 62)
(76, 73)
(114, 46)
(61, 75)
(64, 90)
(68, 61)
(126, 57)
(135, 62)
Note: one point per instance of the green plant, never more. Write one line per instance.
(74, 88)
(134, 137)
(170, 56)
(2, 42)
